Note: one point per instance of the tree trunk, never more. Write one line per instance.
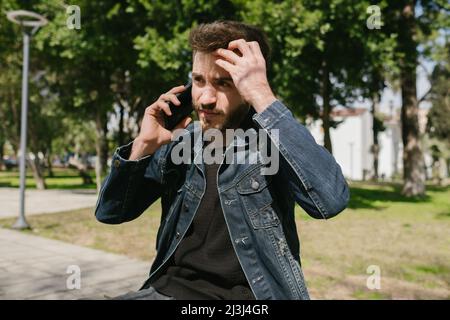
(326, 107)
(81, 165)
(101, 147)
(48, 158)
(2, 153)
(37, 171)
(121, 138)
(413, 162)
(375, 147)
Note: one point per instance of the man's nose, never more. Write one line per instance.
(208, 99)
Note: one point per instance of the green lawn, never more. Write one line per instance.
(63, 179)
(408, 239)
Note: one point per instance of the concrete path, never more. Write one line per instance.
(45, 201)
(32, 267)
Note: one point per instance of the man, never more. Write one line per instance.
(227, 229)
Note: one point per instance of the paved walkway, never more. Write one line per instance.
(45, 201)
(32, 267)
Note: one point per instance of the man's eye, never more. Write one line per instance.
(223, 84)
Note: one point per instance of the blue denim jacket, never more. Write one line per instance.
(258, 209)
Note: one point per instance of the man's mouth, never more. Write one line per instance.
(207, 113)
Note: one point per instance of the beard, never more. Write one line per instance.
(223, 121)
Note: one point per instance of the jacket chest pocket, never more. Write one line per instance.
(254, 192)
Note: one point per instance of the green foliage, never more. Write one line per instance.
(438, 125)
(378, 123)
(129, 52)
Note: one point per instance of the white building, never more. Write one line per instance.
(352, 141)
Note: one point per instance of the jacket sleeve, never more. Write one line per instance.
(130, 187)
(313, 177)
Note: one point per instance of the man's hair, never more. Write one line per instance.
(209, 37)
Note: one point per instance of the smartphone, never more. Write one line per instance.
(181, 111)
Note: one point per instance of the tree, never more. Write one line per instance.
(413, 161)
(438, 124)
(417, 24)
(10, 110)
(77, 140)
(380, 67)
(320, 53)
(90, 63)
(10, 81)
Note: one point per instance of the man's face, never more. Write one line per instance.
(214, 96)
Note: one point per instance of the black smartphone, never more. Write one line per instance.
(181, 111)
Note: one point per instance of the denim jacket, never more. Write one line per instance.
(258, 209)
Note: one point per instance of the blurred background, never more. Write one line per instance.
(368, 78)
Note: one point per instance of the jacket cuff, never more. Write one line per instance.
(271, 115)
(120, 158)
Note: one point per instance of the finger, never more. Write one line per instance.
(256, 49)
(170, 97)
(229, 55)
(176, 90)
(164, 106)
(242, 45)
(225, 65)
(183, 123)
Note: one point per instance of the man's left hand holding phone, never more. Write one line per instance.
(160, 119)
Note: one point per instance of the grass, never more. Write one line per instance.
(408, 239)
(63, 179)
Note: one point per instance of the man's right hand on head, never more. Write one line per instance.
(153, 134)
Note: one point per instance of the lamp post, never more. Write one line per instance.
(30, 22)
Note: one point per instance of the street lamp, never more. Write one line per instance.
(30, 22)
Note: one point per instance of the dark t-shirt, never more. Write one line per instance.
(205, 265)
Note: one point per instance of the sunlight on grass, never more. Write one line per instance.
(62, 179)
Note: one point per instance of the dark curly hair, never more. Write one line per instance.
(208, 37)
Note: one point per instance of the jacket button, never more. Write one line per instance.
(185, 206)
(178, 235)
(255, 185)
(117, 163)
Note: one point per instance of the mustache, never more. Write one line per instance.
(211, 109)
